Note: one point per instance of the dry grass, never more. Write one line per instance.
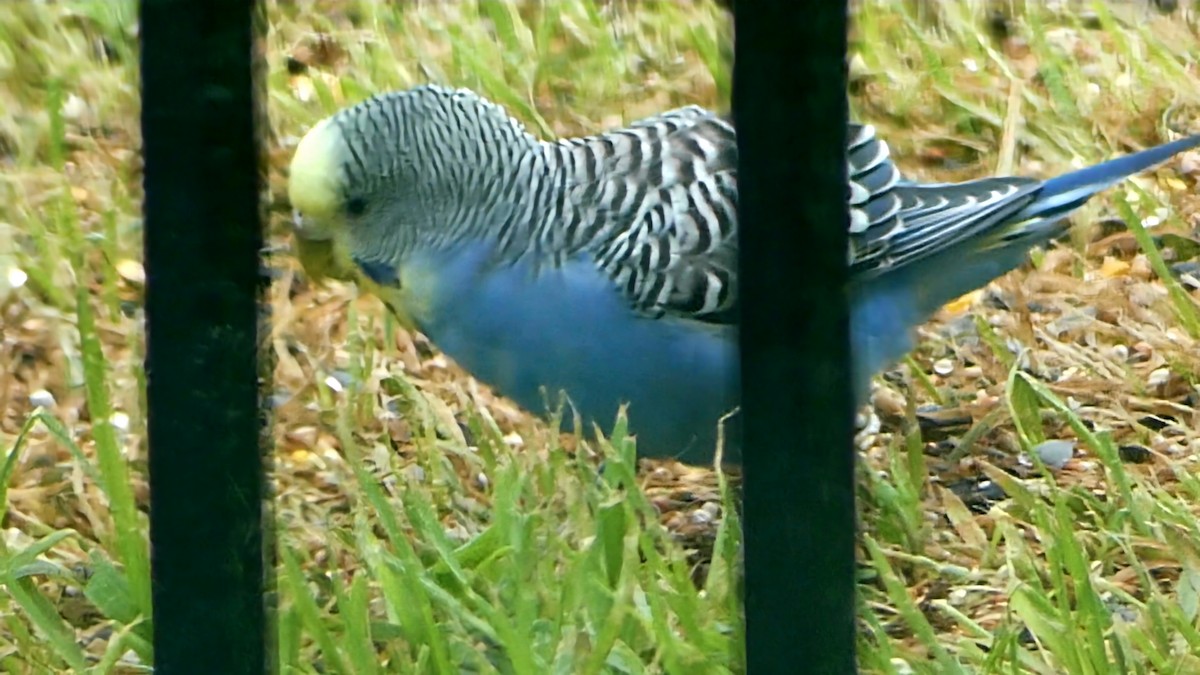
(394, 466)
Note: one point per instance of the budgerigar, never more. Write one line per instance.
(605, 266)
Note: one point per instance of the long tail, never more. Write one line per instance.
(1068, 192)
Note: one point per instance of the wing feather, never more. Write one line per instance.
(673, 250)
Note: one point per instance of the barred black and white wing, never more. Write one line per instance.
(659, 209)
(656, 203)
(894, 222)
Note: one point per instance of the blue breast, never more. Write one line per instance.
(568, 329)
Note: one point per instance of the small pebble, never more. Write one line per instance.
(661, 473)
(304, 436)
(74, 107)
(886, 400)
(942, 418)
(1134, 454)
(42, 399)
(333, 384)
(1156, 422)
(1119, 609)
(1055, 453)
(1159, 377)
(16, 277)
(1189, 163)
(978, 494)
(943, 367)
(1140, 268)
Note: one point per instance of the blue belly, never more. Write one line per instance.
(568, 329)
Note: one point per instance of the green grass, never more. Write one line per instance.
(427, 525)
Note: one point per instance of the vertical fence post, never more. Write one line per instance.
(202, 239)
(789, 104)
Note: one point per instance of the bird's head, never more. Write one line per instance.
(363, 189)
(329, 219)
(397, 173)
(391, 176)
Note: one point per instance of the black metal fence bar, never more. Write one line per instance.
(790, 108)
(203, 237)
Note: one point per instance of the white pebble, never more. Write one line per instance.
(1055, 453)
(1159, 377)
(16, 277)
(42, 399)
(943, 367)
(333, 383)
(74, 107)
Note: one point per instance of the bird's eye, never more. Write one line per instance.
(356, 206)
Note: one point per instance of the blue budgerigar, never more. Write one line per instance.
(604, 266)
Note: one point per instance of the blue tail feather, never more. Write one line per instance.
(1095, 178)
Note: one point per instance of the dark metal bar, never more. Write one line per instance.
(200, 127)
(790, 107)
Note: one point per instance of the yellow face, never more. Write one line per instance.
(313, 191)
(319, 224)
